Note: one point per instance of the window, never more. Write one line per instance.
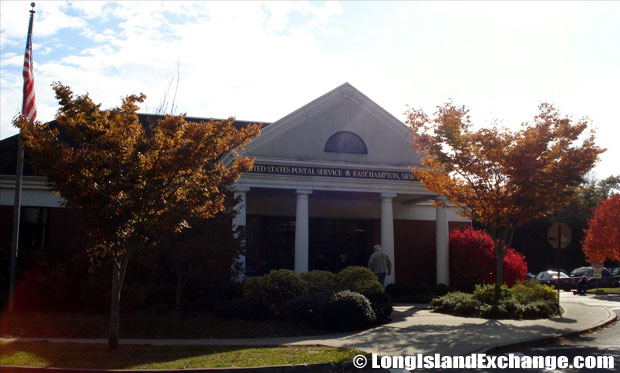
(345, 142)
(33, 228)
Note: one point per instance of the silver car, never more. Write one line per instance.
(550, 277)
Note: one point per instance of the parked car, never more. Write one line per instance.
(616, 273)
(606, 280)
(561, 270)
(550, 277)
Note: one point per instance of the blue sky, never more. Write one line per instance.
(261, 60)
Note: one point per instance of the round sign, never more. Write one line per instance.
(559, 235)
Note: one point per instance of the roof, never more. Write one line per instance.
(8, 146)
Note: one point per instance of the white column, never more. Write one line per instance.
(442, 240)
(301, 231)
(387, 231)
(240, 221)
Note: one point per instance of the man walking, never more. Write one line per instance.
(380, 264)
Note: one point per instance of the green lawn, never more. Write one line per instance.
(73, 325)
(607, 290)
(73, 355)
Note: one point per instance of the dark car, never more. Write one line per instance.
(606, 280)
(616, 273)
(550, 277)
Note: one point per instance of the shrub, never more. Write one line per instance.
(368, 288)
(347, 310)
(381, 304)
(253, 288)
(447, 302)
(274, 289)
(306, 309)
(319, 281)
(539, 309)
(486, 293)
(350, 277)
(533, 291)
(468, 307)
(529, 301)
(243, 308)
(472, 260)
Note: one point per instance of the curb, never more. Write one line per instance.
(305, 368)
(495, 348)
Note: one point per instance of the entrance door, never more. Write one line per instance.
(336, 244)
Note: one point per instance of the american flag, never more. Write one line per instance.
(29, 108)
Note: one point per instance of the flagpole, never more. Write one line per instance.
(19, 172)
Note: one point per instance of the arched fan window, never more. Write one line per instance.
(345, 142)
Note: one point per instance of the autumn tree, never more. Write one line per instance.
(134, 183)
(502, 178)
(602, 240)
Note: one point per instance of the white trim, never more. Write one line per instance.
(331, 184)
(36, 191)
(29, 182)
(319, 163)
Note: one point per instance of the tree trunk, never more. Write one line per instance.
(499, 274)
(119, 268)
(179, 291)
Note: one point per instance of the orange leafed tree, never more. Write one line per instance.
(134, 183)
(602, 240)
(502, 178)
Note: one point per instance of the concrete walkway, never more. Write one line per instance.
(417, 330)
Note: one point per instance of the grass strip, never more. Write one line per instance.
(607, 290)
(75, 355)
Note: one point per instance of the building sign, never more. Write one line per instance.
(353, 173)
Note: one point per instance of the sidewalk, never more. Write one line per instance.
(417, 330)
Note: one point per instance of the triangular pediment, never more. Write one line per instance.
(303, 134)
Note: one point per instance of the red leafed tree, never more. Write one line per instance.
(602, 240)
(134, 183)
(472, 260)
(501, 178)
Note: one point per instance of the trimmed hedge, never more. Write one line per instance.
(352, 277)
(274, 289)
(349, 300)
(381, 304)
(340, 311)
(306, 309)
(318, 281)
(347, 310)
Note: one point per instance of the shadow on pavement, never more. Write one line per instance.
(463, 338)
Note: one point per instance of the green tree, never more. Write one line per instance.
(500, 178)
(531, 238)
(133, 183)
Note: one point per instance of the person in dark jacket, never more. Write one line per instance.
(582, 285)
